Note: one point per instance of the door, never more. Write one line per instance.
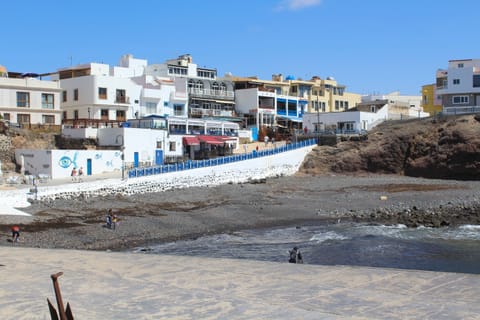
(159, 157)
(135, 159)
(89, 167)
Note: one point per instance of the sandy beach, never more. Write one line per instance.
(111, 285)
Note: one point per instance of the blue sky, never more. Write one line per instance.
(371, 46)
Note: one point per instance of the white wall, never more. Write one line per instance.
(246, 99)
(59, 163)
(80, 133)
(285, 163)
(34, 161)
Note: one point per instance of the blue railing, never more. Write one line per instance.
(194, 164)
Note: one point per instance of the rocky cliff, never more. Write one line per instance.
(442, 147)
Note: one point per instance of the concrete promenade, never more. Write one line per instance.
(107, 285)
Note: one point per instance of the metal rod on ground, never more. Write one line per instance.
(58, 295)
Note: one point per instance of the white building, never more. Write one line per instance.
(96, 91)
(207, 94)
(27, 100)
(400, 106)
(348, 122)
(366, 115)
(459, 86)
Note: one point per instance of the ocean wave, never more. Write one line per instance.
(470, 227)
(329, 235)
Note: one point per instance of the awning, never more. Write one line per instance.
(211, 140)
(191, 141)
(291, 118)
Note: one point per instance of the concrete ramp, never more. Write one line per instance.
(106, 285)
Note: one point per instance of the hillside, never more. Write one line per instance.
(11, 139)
(443, 148)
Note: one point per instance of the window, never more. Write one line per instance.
(206, 74)
(223, 88)
(64, 115)
(64, 96)
(476, 80)
(48, 119)
(75, 114)
(425, 99)
(47, 101)
(337, 105)
(150, 107)
(23, 99)
(6, 116)
(75, 94)
(104, 114)
(215, 88)
(172, 146)
(102, 93)
(456, 81)
(120, 96)
(121, 115)
(23, 118)
(177, 70)
(178, 109)
(460, 65)
(460, 99)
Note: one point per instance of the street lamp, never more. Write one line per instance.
(318, 122)
(122, 149)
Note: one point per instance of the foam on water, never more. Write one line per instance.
(326, 236)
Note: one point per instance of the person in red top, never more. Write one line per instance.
(15, 233)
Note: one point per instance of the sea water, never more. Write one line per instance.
(435, 249)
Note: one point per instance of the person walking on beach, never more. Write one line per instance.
(295, 256)
(80, 174)
(109, 219)
(74, 174)
(15, 233)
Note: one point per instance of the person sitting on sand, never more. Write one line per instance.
(295, 256)
(15, 233)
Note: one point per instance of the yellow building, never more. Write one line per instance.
(430, 102)
(327, 95)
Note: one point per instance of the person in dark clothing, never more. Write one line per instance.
(295, 256)
(15, 233)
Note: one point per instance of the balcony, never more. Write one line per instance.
(211, 94)
(120, 99)
(199, 113)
